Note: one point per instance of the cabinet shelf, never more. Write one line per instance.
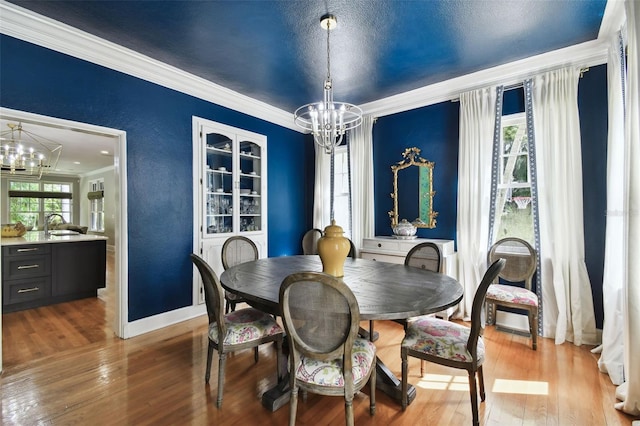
(219, 150)
(233, 166)
(250, 156)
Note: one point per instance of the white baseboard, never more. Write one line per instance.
(512, 321)
(156, 322)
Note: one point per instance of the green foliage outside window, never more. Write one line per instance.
(32, 210)
(513, 202)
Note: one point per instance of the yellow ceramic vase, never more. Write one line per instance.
(333, 249)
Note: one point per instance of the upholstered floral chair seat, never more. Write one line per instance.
(329, 373)
(245, 325)
(440, 338)
(512, 294)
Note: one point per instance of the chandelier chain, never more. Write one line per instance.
(327, 120)
(328, 54)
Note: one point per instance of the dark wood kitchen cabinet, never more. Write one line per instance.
(43, 274)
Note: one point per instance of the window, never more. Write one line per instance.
(513, 197)
(96, 200)
(30, 202)
(341, 190)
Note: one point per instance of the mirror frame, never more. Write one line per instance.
(426, 192)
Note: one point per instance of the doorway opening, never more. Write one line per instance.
(117, 249)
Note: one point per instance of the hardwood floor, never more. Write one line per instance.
(62, 365)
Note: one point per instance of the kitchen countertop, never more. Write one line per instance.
(38, 237)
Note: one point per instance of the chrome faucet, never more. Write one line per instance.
(47, 218)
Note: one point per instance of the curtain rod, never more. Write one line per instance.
(520, 85)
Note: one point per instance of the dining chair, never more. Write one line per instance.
(424, 256)
(352, 250)
(310, 241)
(451, 344)
(326, 356)
(520, 267)
(241, 329)
(236, 250)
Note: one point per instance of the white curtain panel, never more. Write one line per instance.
(612, 356)
(477, 120)
(361, 145)
(322, 189)
(629, 392)
(566, 290)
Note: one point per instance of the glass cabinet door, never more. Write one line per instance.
(219, 183)
(250, 175)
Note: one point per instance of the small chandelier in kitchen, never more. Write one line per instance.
(328, 120)
(24, 153)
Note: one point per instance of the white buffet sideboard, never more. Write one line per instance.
(392, 250)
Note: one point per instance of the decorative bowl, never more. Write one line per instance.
(14, 230)
(404, 229)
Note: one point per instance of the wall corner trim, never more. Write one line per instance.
(165, 319)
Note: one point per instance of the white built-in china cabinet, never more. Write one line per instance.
(230, 188)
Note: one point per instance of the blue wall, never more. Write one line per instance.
(158, 125)
(594, 116)
(434, 129)
(158, 122)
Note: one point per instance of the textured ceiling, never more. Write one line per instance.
(275, 50)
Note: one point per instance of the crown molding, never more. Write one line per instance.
(37, 29)
(582, 55)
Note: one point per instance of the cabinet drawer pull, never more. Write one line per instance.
(28, 290)
(28, 266)
(27, 249)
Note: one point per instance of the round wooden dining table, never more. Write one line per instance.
(384, 291)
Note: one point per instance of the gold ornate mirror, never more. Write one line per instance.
(413, 190)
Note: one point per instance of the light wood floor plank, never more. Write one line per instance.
(64, 366)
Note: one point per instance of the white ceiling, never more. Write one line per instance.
(81, 150)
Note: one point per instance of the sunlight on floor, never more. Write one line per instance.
(443, 381)
(525, 387)
(461, 383)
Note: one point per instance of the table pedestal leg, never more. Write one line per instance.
(277, 396)
(388, 383)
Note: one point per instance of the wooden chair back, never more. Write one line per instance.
(310, 241)
(213, 293)
(352, 250)
(237, 250)
(521, 260)
(426, 256)
(321, 317)
(477, 323)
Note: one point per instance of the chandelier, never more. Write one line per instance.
(26, 154)
(328, 120)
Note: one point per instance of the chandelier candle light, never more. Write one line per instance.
(328, 120)
(21, 152)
